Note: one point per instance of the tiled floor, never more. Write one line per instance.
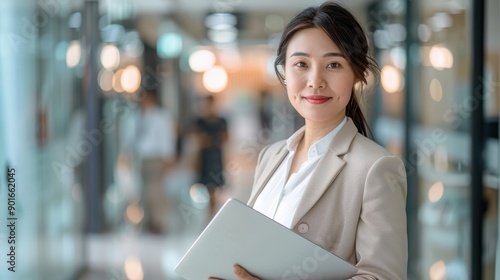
(128, 253)
(132, 254)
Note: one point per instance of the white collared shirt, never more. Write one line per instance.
(280, 198)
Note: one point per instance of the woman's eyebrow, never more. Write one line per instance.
(325, 55)
(333, 54)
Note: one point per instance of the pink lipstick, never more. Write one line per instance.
(316, 99)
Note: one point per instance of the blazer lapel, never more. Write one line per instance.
(327, 170)
(270, 168)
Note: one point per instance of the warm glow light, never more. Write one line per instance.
(436, 191)
(438, 271)
(215, 80)
(201, 60)
(134, 213)
(105, 79)
(133, 268)
(73, 54)
(440, 57)
(436, 90)
(130, 79)
(116, 81)
(392, 80)
(110, 57)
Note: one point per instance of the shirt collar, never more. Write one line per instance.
(320, 147)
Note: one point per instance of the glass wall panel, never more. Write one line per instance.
(424, 51)
(492, 116)
(39, 103)
(443, 135)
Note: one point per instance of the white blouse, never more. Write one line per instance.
(280, 198)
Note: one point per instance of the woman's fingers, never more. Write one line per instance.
(242, 273)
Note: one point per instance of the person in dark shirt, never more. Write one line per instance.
(211, 132)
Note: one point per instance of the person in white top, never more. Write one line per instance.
(329, 182)
(155, 149)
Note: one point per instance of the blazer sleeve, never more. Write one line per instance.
(381, 238)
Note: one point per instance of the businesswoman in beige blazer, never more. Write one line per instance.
(328, 182)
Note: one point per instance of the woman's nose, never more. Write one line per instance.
(316, 80)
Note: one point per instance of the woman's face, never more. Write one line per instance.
(319, 79)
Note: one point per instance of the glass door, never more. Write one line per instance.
(424, 112)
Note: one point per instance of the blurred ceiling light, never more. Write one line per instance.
(455, 7)
(215, 80)
(398, 57)
(169, 45)
(441, 20)
(397, 32)
(436, 90)
(438, 271)
(73, 54)
(116, 81)
(110, 57)
(201, 60)
(220, 21)
(392, 79)
(440, 57)
(436, 192)
(105, 79)
(130, 79)
(222, 36)
(133, 268)
(424, 32)
(274, 22)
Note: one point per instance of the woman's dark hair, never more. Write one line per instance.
(344, 30)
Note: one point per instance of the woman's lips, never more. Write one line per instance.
(316, 99)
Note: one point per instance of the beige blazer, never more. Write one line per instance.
(354, 205)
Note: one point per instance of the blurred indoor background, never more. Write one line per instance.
(73, 74)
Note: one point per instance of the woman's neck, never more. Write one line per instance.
(314, 132)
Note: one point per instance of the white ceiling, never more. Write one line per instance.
(189, 14)
(197, 7)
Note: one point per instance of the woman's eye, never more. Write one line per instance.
(300, 64)
(334, 65)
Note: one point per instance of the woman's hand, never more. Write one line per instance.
(240, 272)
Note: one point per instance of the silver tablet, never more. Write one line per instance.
(241, 235)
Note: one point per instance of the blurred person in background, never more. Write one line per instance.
(155, 145)
(210, 130)
(329, 182)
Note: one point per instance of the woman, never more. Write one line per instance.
(211, 131)
(328, 182)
